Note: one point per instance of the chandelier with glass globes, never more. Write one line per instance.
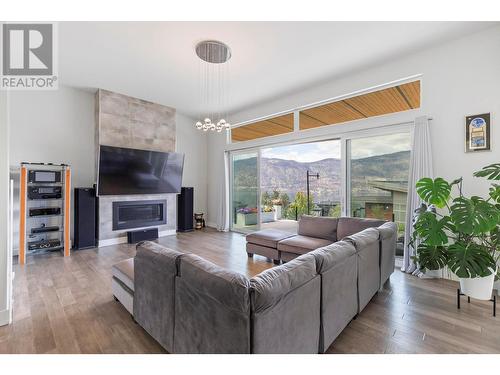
(213, 74)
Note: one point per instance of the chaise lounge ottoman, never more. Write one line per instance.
(122, 283)
(265, 243)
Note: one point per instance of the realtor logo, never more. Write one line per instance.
(28, 56)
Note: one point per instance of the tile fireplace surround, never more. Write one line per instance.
(123, 121)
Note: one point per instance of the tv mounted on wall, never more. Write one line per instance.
(127, 171)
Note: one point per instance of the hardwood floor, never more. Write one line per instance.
(65, 305)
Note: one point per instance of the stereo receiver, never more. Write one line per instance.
(44, 192)
(44, 244)
(45, 211)
(48, 177)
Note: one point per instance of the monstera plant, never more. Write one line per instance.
(462, 233)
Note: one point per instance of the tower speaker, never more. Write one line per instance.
(85, 234)
(185, 209)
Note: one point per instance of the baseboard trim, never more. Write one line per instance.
(112, 241)
(170, 232)
(211, 225)
(120, 240)
(5, 317)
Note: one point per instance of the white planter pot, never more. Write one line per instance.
(478, 287)
(246, 219)
(277, 212)
(267, 217)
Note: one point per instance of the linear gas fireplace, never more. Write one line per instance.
(139, 214)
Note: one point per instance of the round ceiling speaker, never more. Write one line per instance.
(213, 51)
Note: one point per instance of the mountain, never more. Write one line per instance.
(289, 176)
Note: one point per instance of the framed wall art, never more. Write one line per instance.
(477, 133)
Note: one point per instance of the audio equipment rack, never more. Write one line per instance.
(44, 214)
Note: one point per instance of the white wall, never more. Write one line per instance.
(5, 307)
(459, 78)
(55, 126)
(193, 144)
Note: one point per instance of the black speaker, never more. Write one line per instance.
(85, 230)
(135, 236)
(185, 208)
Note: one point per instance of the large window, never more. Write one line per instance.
(379, 177)
(270, 187)
(273, 186)
(284, 187)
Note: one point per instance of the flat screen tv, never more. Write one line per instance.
(124, 171)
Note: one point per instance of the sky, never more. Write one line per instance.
(360, 148)
(305, 152)
(380, 145)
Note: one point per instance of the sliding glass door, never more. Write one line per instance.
(378, 169)
(245, 191)
(273, 187)
(357, 176)
(299, 179)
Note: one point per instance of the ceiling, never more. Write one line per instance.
(156, 60)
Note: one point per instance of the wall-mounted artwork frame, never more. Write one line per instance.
(477, 133)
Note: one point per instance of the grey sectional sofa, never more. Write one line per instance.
(313, 232)
(203, 308)
(190, 305)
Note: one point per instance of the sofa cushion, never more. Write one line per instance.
(367, 247)
(272, 285)
(388, 238)
(329, 256)
(226, 287)
(302, 244)
(155, 268)
(124, 271)
(388, 230)
(212, 309)
(319, 227)
(364, 238)
(268, 237)
(351, 225)
(286, 308)
(158, 256)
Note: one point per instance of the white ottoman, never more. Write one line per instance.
(122, 283)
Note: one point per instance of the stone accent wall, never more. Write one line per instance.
(123, 121)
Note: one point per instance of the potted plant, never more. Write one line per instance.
(267, 214)
(462, 233)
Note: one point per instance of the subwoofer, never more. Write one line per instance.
(142, 235)
(85, 235)
(185, 208)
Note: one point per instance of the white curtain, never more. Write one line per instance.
(223, 206)
(420, 166)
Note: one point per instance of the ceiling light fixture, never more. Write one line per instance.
(214, 56)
